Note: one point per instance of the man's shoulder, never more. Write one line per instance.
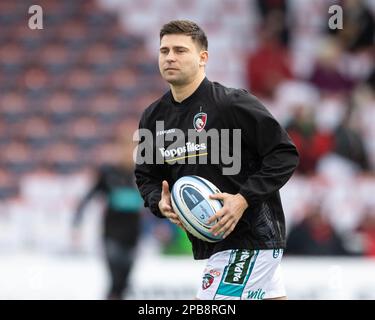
(151, 107)
(154, 106)
(231, 94)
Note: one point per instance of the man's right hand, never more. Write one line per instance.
(165, 205)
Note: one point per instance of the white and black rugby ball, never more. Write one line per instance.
(191, 202)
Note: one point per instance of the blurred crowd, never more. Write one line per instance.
(66, 90)
(327, 104)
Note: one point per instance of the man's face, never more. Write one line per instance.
(179, 59)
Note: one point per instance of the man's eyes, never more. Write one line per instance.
(178, 50)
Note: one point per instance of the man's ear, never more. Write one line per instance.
(203, 58)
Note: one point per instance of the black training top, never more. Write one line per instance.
(265, 156)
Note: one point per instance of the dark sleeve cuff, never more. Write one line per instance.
(156, 211)
(251, 199)
(153, 204)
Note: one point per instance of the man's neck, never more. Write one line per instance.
(180, 93)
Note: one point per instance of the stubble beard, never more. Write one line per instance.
(178, 81)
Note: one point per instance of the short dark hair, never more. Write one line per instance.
(188, 28)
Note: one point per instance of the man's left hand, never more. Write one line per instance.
(229, 215)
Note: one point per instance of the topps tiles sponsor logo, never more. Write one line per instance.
(176, 146)
(177, 152)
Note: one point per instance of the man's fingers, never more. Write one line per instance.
(165, 188)
(224, 226)
(170, 214)
(179, 223)
(219, 226)
(166, 207)
(174, 219)
(216, 216)
(218, 196)
(225, 229)
(229, 229)
(165, 204)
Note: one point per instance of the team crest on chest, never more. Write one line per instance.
(200, 120)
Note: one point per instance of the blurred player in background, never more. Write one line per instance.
(246, 264)
(122, 216)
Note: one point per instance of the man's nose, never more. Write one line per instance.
(171, 56)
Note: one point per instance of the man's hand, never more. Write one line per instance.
(229, 214)
(165, 205)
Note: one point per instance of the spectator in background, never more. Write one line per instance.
(275, 12)
(358, 33)
(122, 216)
(269, 64)
(327, 74)
(366, 230)
(349, 143)
(310, 142)
(314, 235)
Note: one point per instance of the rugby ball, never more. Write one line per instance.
(191, 202)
